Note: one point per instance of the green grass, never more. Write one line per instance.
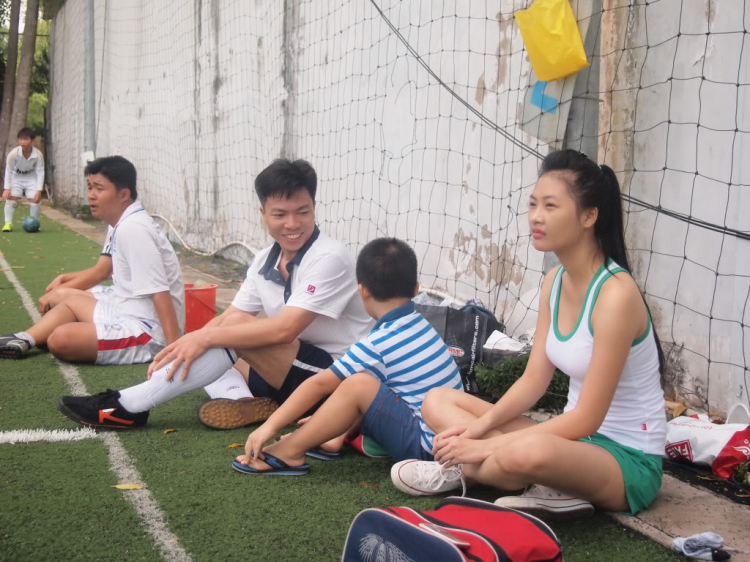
(57, 503)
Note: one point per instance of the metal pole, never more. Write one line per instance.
(89, 93)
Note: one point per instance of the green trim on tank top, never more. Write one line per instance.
(596, 295)
(558, 335)
(647, 332)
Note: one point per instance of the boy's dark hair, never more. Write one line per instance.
(116, 169)
(26, 132)
(283, 178)
(387, 267)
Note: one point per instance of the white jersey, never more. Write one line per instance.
(143, 263)
(322, 280)
(24, 172)
(636, 416)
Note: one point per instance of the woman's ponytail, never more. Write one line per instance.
(597, 187)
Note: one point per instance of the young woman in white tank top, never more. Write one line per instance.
(605, 449)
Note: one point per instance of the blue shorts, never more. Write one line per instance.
(390, 421)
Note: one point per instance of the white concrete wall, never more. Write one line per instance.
(202, 95)
(189, 91)
(675, 123)
(398, 155)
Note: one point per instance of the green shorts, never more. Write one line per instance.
(641, 472)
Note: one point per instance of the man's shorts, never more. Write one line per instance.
(310, 361)
(123, 340)
(641, 473)
(23, 190)
(102, 292)
(390, 421)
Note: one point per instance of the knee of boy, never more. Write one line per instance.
(433, 407)
(59, 344)
(358, 381)
(62, 293)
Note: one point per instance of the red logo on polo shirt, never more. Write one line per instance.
(311, 289)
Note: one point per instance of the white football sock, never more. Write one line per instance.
(206, 369)
(231, 385)
(10, 207)
(34, 209)
(27, 337)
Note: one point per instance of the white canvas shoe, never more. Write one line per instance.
(426, 478)
(549, 504)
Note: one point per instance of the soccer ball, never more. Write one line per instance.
(31, 224)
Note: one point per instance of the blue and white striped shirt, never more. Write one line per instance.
(408, 356)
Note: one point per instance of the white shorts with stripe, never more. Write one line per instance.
(123, 340)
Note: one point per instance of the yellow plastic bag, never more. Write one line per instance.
(553, 42)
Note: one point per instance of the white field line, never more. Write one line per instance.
(119, 461)
(48, 436)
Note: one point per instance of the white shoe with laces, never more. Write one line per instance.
(427, 478)
(548, 504)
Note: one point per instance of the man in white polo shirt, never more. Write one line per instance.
(144, 309)
(305, 284)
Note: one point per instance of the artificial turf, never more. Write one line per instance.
(56, 499)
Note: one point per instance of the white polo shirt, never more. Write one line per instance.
(143, 263)
(20, 171)
(322, 280)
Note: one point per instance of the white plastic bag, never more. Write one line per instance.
(722, 447)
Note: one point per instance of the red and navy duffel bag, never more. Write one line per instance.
(459, 529)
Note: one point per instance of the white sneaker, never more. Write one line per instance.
(426, 478)
(547, 503)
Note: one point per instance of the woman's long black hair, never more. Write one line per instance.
(596, 187)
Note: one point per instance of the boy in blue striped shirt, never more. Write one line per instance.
(378, 386)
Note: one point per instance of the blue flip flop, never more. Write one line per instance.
(323, 455)
(318, 453)
(278, 467)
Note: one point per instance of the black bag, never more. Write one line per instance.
(464, 331)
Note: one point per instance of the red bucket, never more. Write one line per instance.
(200, 305)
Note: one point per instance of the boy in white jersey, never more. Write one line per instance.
(144, 310)
(24, 177)
(377, 386)
(606, 448)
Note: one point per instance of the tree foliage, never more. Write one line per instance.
(49, 7)
(39, 84)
